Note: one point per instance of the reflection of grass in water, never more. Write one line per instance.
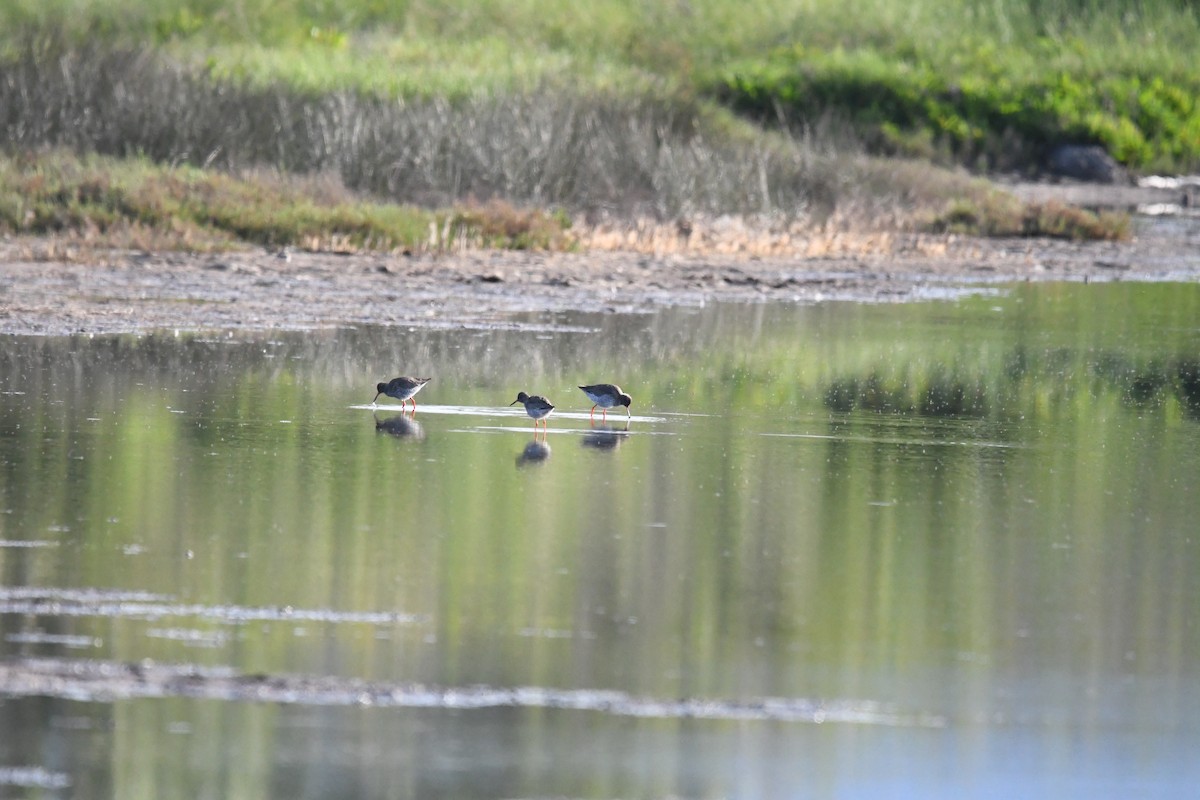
(1140, 385)
(937, 395)
(837, 545)
(1188, 383)
(936, 391)
(1151, 384)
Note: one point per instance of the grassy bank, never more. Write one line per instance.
(987, 84)
(135, 203)
(615, 109)
(595, 155)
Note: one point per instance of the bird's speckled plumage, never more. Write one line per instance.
(402, 388)
(536, 406)
(605, 396)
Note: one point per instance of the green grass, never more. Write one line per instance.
(136, 203)
(390, 67)
(998, 108)
(675, 40)
(997, 214)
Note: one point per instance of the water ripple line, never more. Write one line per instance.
(107, 681)
(43, 601)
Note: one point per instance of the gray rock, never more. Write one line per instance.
(1090, 163)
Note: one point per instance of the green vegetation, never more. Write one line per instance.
(996, 214)
(1134, 349)
(936, 391)
(990, 108)
(135, 203)
(619, 107)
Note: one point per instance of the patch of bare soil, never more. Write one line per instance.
(53, 287)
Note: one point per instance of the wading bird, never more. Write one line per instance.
(536, 406)
(402, 388)
(605, 396)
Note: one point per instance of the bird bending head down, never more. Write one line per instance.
(605, 396)
(402, 388)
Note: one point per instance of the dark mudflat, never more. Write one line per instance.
(58, 291)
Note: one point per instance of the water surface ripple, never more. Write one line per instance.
(107, 681)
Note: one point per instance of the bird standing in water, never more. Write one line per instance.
(536, 406)
(605, 396)
(402, 388)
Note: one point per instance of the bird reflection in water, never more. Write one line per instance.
(400, 426)
(535, 452)
(603, 437)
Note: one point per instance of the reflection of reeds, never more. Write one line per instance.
(1187, 386)
(871, 392)
(950, 397)
(919, 549)
(1145, 387)
(936, 395)
(1149, 385)
(944, 392)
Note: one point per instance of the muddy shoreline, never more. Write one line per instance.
(51, 290)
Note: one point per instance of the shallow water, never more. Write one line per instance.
(937, 549)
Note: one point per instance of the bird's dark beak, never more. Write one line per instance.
(514, 402)
(376, 397)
